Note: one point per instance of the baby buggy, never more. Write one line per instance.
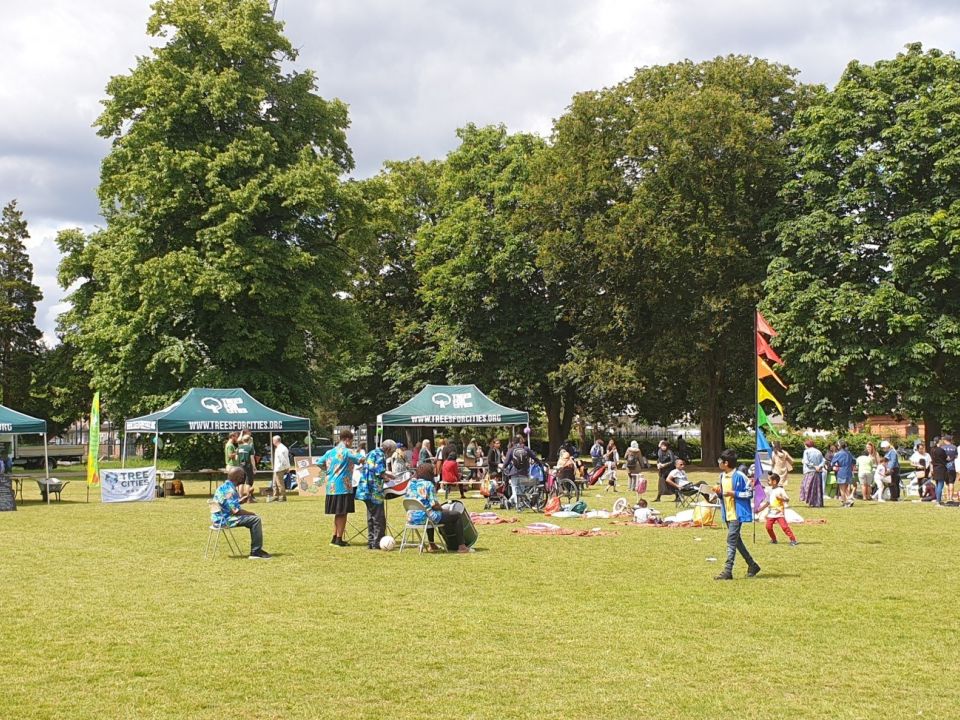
(496, 493)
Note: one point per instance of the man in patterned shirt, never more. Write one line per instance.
(424, 492)
(370, 491)
(229, 514)
(338, 463)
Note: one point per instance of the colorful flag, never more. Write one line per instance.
(93, 447)
(762, 443)
(764, 350)
(764, 421)
(764, 327)
(765, 371)
(759, 494)
(764, 394)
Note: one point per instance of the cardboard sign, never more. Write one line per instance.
(309, 477)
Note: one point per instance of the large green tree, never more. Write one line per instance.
(664, 194)
(224, 253)
(19, 336)
(400, 201)
(493, 318)
(866, 290)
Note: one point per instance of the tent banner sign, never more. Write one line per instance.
(131, 485)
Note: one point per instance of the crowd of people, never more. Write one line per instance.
(874, 475)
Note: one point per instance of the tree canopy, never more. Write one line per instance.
(224, 257)
(20, 346)
(864, 290)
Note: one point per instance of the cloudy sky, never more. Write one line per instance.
(412, 71)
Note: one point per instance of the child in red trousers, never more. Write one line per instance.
(776, 503)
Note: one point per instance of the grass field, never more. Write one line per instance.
(110, 612)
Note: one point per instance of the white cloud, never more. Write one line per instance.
(412, 72)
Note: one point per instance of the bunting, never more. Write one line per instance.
(765, 371)
(764, 353)
(764, 421)
(764, 394)
(764, 327)
(764, 350)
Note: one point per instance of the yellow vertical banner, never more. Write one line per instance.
(93, 447)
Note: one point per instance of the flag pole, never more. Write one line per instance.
(757, 470)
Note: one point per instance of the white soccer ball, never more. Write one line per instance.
(387, 543)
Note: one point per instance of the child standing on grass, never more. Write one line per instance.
(880, 478)
(776, 504)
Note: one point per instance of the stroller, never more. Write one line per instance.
(496, 493)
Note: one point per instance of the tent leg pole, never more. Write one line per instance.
(46, 466)
(156, 447)
(123, 451)
(310, 443)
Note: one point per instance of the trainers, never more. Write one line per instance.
(724, 576)
(794, 542)
(773, 542)
(343, 543)
(753, 571)
(260, 555)
(271, 499)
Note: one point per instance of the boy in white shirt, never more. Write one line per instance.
(776, 503)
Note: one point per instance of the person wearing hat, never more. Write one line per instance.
(893, 469)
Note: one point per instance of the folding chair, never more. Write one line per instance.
(233, 545)
(418, 529)
(216, 530)
(687, 495)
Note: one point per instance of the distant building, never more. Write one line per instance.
(890, 426)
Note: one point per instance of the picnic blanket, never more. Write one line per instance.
(489, 518)
(553, 530)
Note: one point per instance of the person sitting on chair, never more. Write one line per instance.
(677, 478)
(230, 514)
(423, 490)
(450, 472)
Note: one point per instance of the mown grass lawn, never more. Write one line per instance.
(110, 612)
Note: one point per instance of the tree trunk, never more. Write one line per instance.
(711, 421)
(553, 406)
(932, 428)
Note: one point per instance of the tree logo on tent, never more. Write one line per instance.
(441, 400)
(231, 406)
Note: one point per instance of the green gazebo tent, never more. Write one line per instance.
(450, 405)
(16, 423)
(213, 410)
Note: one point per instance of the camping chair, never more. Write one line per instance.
(686, 495)
(216, 530)
(418, 529)
(51, 485)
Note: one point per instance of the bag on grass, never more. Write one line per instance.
(580, 507)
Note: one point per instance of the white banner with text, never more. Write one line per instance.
(129, 485)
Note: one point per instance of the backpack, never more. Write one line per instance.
(176, 487)
(521, 459)
(596, 451)
(580, 507)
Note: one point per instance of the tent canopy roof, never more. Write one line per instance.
(17, 423)
(215, 410)
(445, 405)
